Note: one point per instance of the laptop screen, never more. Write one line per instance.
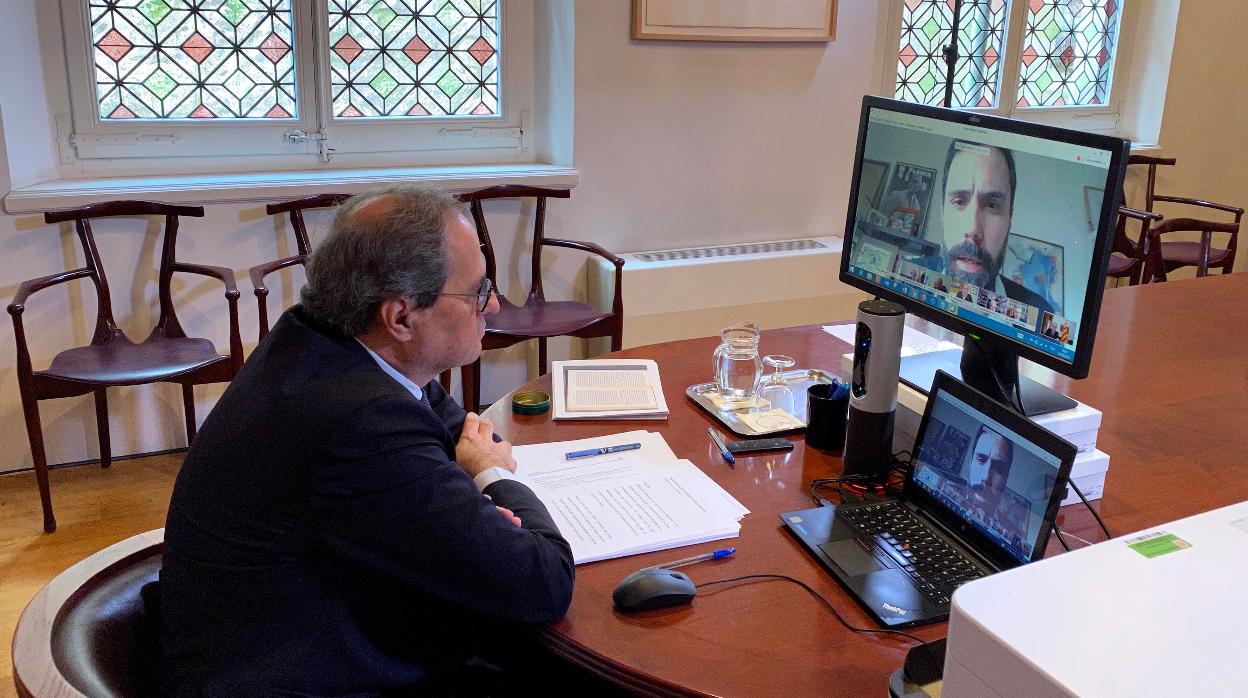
(986, 474)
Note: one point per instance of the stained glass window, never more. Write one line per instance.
(393, 58)
(1068, 52)
(193, 59)
(925, 29)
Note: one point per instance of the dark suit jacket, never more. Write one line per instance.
(321, 539)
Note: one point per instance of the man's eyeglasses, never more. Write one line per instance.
(482, 295)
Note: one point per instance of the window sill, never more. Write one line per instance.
(275, 186)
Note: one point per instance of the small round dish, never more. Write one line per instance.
(530, 402)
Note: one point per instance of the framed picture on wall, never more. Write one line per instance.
(734, 20)
(871, 183)
(1037, 266)
(909, 197)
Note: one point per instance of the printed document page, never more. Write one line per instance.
(601, 390)
(628, 502)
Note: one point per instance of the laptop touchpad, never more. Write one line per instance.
(849, 556)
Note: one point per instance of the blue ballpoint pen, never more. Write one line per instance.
(723, 448)
(725, 552)
(600, 451)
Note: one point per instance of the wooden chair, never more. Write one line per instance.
(92, 631)
(294, 209)
(1130, 256)
(537, 318)
(1150, 188)
(112, 359)
(1165, 257)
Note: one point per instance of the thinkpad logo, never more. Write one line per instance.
(894, 609)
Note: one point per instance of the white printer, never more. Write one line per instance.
(1161, 612)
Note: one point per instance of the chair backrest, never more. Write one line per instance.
(513, 191)
(105, 325)
(89, 631)
(1150, 187)
(295, 209)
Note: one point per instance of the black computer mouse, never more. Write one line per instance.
(653, 587)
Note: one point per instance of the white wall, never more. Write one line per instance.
(677, 144)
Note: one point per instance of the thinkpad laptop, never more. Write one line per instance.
(981, 497)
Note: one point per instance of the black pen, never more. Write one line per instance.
(723, 448)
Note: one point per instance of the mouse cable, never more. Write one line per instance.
(818, 596)
(1060, 538)
(1088, 504)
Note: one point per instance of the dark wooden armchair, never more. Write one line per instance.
(1165, 257)
(537, 318)
(112, 359)
(294, 209)
(1130, 256)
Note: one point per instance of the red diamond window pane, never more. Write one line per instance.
(482, 110)
(907, 55)
(416, 50)
(347, 49)
(121, 112)
(350, 111)
(274, 48)
(418, 111)
(277, 113)
(481, 50)
(202, 112)
(197, 47)
(115, 45)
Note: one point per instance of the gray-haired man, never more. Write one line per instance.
(340, 525)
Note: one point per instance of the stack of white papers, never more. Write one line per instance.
(629, 502)
(607, 389)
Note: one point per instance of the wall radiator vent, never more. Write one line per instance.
(696, 292)
(731, 250)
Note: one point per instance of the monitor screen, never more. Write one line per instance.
(987, 475)
(985, 224)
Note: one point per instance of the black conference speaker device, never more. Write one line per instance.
(868, 450)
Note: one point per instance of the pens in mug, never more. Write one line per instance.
(725, 552)
(601, 451)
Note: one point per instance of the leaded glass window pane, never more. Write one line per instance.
(193, 59)
(1068, 52)
(925, 29)
(413, 58)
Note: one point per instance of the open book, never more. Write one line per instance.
(607, 389)
(628, 502)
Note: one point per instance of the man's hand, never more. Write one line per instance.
(477, 452)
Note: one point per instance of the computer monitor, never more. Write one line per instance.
(994, 228)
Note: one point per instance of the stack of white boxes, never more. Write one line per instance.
(1078, 425)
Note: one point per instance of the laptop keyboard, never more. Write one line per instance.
(936, 567)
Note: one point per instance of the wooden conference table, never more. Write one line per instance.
(1170, 373)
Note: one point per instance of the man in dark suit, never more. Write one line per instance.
(341, 526)
(976, 216)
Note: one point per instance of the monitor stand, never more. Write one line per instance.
(972, 366)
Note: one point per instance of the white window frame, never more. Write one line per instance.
(1107, 118)
(95, 146)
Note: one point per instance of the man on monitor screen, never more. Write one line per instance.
(977, 211)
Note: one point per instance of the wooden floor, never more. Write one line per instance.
(94, 509)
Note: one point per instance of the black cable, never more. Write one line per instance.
(1095, 515)
(818, 596)
(1060, 538)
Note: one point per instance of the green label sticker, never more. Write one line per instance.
(1157, 544)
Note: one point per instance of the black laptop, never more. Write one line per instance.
(982, 495)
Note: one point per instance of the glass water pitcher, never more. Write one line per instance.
(737, 366)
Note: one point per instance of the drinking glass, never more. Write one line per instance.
(774, 388)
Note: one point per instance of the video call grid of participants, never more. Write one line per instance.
(975, 468)
(975, 210)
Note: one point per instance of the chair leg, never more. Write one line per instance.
(617, 339)
(34, 431)
(101, 427)
(188, 411)
(541, 355)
